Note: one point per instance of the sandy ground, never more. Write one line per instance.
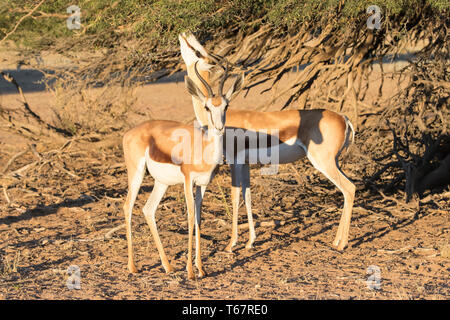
(60, 221)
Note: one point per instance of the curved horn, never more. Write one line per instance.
(224, 78)
(217, 59)
(208, 88)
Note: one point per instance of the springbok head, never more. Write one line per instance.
(215, 105)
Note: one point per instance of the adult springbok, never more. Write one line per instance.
(192, 161)
(318, 134)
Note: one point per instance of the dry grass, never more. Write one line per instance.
(83, 110)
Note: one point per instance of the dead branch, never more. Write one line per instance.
(13, 158)
(6, 195)
(20, 21)
(271, 223)
(109, 234)
(35, 116)
(398, 251)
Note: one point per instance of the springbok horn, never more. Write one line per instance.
(224, 78)
(208, 88)
(217, 59)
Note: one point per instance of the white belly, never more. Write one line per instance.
(290, 151)
(166, 173)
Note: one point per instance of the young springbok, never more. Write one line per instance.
(318, 134)
(155, 144)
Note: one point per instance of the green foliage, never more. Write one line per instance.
(162, 20)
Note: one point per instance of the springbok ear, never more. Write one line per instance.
(234, 89)
(195, 44)
(193, 89)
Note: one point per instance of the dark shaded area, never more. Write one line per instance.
(41, 210)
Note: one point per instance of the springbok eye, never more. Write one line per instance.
(207, 108)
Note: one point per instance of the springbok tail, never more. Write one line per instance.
(349, 134)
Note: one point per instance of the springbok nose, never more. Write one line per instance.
(219, 129)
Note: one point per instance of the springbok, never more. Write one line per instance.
(193, 161)
(318, 134)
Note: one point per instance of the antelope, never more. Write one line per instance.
(153, 144)
(320, 135)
